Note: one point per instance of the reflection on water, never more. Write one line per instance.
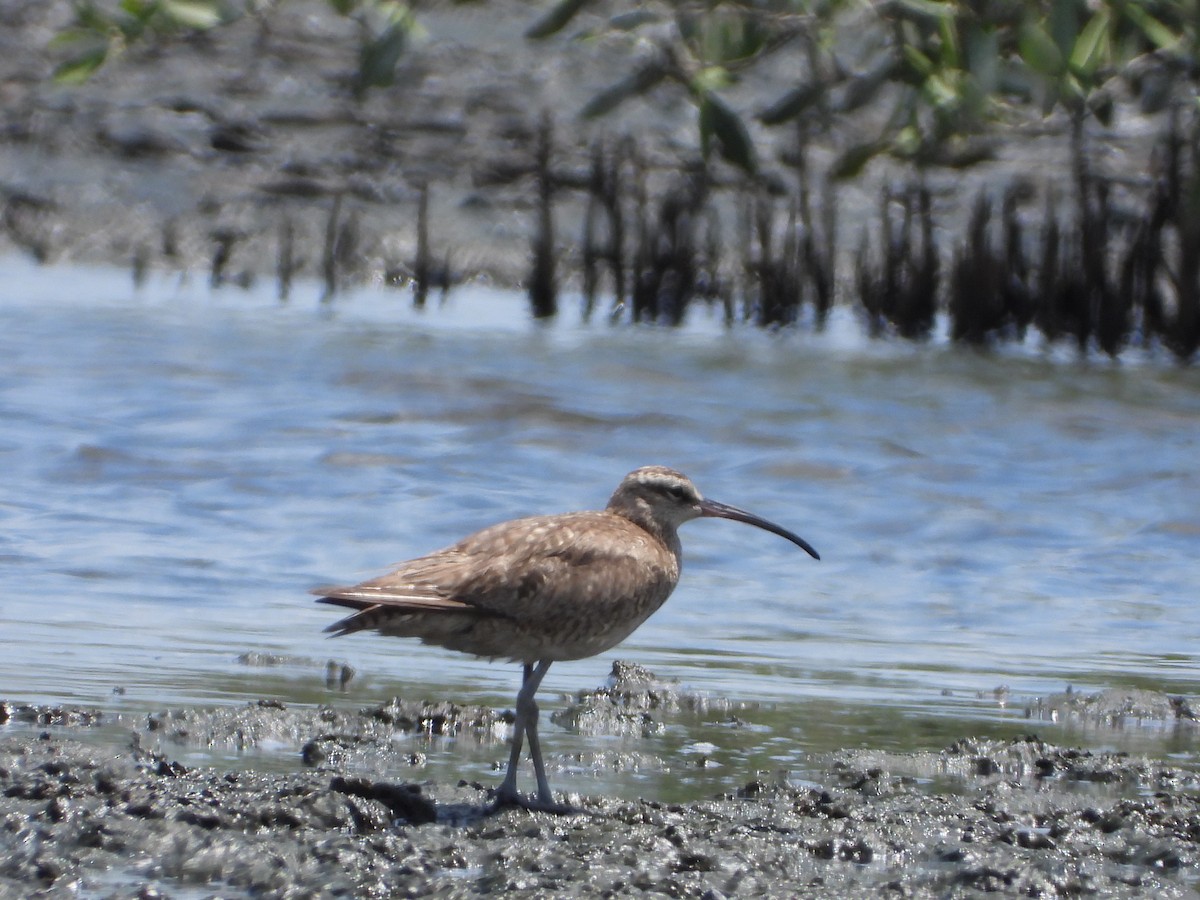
(181, 467)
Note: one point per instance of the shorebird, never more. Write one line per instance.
(542, 589)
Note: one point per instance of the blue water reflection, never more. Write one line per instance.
(180, 467)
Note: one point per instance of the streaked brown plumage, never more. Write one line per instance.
(544, 588)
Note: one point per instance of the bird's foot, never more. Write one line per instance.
(502, 799)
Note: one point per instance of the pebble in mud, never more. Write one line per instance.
(1114, 708)
(111, 819)
(633, 702)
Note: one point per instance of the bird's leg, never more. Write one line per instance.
(507, 794)
(545, 796)
(539, 768)
(525, 725)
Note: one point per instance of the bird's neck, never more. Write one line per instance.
(643, 518)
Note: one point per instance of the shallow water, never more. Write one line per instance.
(181, 466)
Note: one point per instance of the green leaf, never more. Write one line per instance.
(89, 18)
(951, 55)
(907, 143)
(634, 19)
(929, 9)
(1062, 24)
(80, 68)
(792, 104)
(854, 159)
(918, 60)
(711, 78)
(139, 9)
(343, 7)
(1156, 32)
(639, 82)
(196, 14)
(72, 37)
(1073, 92)
(730, 37)
(1039, 51)
(721, 124)
(862, 89)
(378, 58)
(1091, 45)
(136, 19)
(555, 20)
(983, 57)
(942, 92)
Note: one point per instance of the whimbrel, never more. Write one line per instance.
(543, 589)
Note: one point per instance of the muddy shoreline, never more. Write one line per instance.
(224, 153)
(100, 805)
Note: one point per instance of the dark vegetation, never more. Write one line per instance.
(1100, 274)
(1102, 261)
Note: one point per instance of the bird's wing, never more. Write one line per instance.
(531, 568)
(375, 601)
(410, 597)
(522, 570)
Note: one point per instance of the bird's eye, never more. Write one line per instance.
(676, 492)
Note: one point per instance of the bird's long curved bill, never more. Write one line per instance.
(715, 510)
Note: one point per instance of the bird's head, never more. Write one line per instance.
(662, 495)
(661, 499)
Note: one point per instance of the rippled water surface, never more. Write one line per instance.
(181, 466)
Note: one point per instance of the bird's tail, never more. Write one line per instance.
(368, 614)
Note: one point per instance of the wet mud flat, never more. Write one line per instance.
(98, 805)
